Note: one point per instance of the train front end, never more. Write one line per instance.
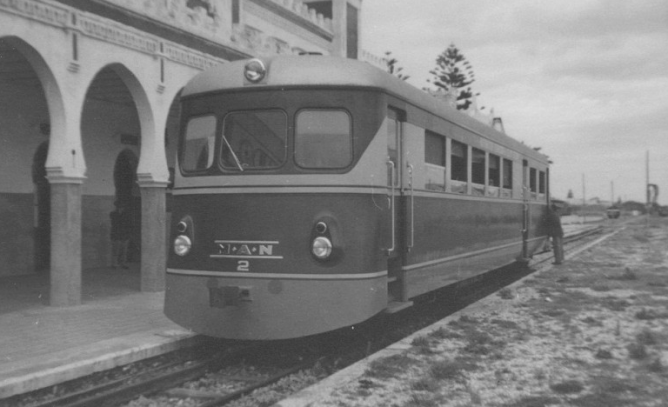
(279, 206)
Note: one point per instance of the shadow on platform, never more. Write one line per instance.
(18, 293)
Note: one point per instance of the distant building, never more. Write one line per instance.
(88, 106)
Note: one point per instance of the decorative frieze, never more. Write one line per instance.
(188, 57)
(44, 12)
(302, 10)
(257, 42)
(278, 16)
(201, 17)
(109, 32)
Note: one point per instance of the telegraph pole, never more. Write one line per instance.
(647, 187)
(647, 178)
(584, 200)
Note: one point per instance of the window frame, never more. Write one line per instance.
(444, 151)
(533, 180)
(507, 171)
(234, 169)
(491, 178)
(455, 160)
(478, 169)
(184, 142)
(350, 138)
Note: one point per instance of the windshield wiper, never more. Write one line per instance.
(236, 159)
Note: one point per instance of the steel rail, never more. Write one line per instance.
(129, 387)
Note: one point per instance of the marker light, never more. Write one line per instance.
(182, 245)
(321, 248)
(321, 227)
(254, 70)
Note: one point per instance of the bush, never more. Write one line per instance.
(567, 387)
(637, 351)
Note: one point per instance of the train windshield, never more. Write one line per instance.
(323, 139)
(254, 140)
(198, 152)
(304, 131)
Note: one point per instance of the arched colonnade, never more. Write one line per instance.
(73, 106)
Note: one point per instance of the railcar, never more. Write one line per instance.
(313, 193)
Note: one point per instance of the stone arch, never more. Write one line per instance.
(146, 116)
(52, 92)
(114, 119)
(31, 114)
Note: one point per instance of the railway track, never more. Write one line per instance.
(217, 377)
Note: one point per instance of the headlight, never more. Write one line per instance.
(254, 70)
(182, 245)
(321, 248)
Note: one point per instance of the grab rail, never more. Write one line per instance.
(410, 184)
(390, 163)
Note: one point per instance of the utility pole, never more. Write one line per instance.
(584, 200)
(647, 188)
(647, 178)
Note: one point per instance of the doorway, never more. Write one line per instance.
(127, 195)
(42, 210)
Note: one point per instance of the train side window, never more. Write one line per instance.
(198, 148)
(434, 157)
(507, 174)
(459, 161)
(478, 171)
(434, 149)
(533, 180)
(478, 166)
(541, 182)
(494, 171)
(323, 139)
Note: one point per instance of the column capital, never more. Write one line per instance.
(56, 175)
(147, 180)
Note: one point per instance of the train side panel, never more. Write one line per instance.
(457, 238)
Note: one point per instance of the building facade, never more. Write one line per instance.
(89, 109)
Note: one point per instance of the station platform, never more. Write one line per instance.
(116, 324)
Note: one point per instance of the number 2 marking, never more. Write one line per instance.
(243, 265)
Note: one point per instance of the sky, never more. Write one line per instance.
(584, 80)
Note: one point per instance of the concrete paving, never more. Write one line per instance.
(41, 345)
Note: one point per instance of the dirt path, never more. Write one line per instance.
(590, 333)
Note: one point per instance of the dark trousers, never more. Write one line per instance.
(558, 248)
(119, 252)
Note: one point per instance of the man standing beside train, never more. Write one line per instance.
(555, 231)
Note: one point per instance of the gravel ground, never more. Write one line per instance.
(591, 333)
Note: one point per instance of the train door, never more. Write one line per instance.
(397, 195)
(526, 215)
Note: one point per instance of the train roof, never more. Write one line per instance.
(326, 71)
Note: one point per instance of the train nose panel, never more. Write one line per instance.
(227, 295)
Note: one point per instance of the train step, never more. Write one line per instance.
(396, 306)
